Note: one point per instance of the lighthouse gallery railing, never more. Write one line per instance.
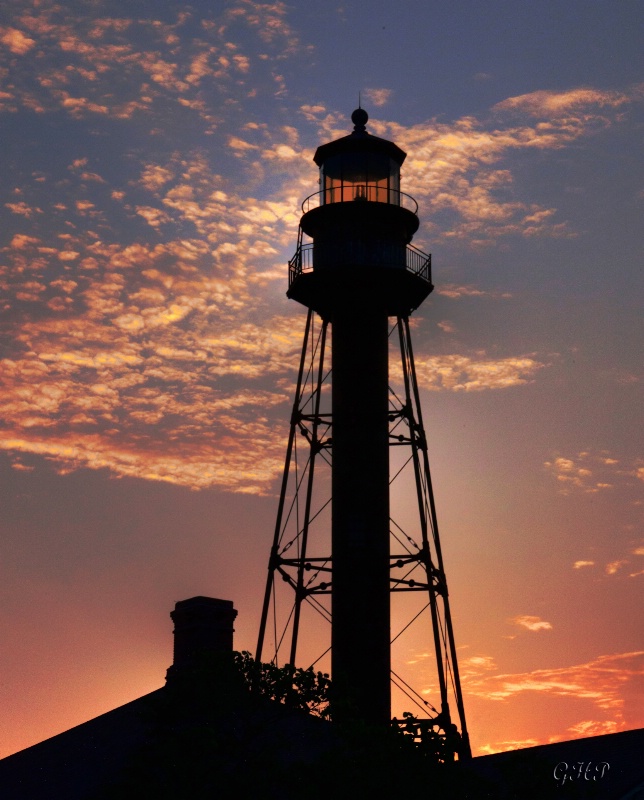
(416, 262)
(350, 192)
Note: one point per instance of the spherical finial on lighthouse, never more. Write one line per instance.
(359, 119)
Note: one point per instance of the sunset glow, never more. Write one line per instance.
(156, 156)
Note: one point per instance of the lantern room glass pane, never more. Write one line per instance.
(360, 176)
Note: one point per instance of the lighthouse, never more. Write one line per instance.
(358, 274)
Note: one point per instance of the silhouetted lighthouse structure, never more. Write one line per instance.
(356, 270)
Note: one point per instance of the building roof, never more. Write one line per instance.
(205, 735)
(610, 767)
(359, 141)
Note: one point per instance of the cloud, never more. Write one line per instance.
(121, 67)
(465, 373)
(154, 177)
(227, 461)
(16, 41)
(600, 696)
(239, 144)
(157, 333)
(591, 472)
(531, 623)
(378, 97)
(507, 744)
(77, 106)
(588, 728)
(601, 681)
(459, 169)
(475, 665)
(582, 564)
(23, 209)
(99, 399)
(608, 685)
(133, 345)
(455, 291)
(107, 387)
(453, 167)
(143, 309)
(142, 294)
(549, 103)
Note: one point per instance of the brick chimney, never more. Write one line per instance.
(203, 630)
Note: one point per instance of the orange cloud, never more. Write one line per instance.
(161, 61)
(453, 167)
(453, 291)
(20, 241)
(590, 472)
(547, 103)
(77, 105)
(531, 623)
(378, 97)
(154, 177)
(93, 391)
(599, 696)
(17, 42)
(603, 681)
(231, 465)
(99, 400)
(167, 319)
(23, 209)
(472, 373)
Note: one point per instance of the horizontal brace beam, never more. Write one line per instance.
(419, 587)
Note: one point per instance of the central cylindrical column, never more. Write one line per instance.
(360, 527)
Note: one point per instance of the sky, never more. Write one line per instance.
(154, 160)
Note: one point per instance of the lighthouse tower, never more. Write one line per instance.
(356, 271)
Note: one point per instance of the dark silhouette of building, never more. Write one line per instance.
(204, 735)
(201, 735)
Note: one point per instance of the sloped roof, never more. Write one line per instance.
(538, 772)
(183, 743)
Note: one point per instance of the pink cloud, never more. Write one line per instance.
(16, 41)
(531, 623)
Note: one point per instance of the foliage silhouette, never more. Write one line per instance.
(298, 688)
